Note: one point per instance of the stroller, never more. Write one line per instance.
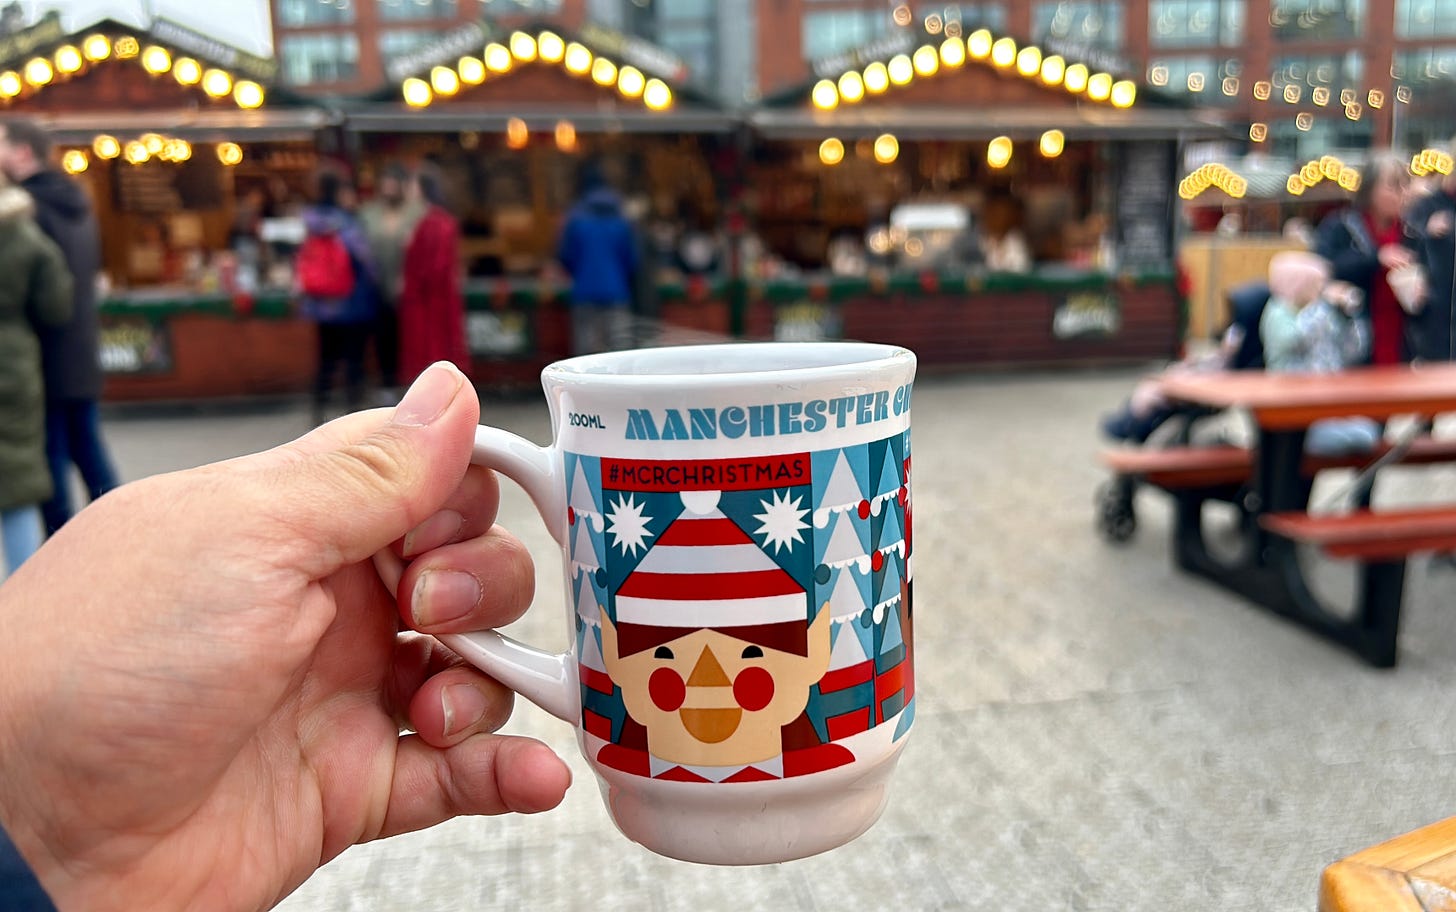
(1172, 424)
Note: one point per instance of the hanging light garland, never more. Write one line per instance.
(71, 60)
(1213, 174)
(1431, 161)
(1325, 168)
(549, 49)
(951, 53)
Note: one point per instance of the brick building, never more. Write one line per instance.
(1344, 64)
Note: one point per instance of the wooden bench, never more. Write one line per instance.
(1411, 873)
(1371, 535)
(1229, 466)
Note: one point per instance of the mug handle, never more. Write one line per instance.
(547, 679)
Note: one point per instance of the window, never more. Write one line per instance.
(397, 42)
(1425, 18)
(836, 32)
(967, 16)
(1317, 20)
(1425, 66)
(294, 13)
(1195, 23)
(405, 10)
(1331, 71)
(508, 7)
(319, 58)
(1098, 23)
(695, 43)
(1205, 80)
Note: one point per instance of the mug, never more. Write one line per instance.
(735, 531)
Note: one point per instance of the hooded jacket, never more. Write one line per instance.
(35, 296)
(72, 360)
(598, 249)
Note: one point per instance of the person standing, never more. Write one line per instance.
(431, 305)
(336, 281)
(1431, 232)
(69, 353)
(389, 221)
(598, 250)
(1364, 243)
(35, 294)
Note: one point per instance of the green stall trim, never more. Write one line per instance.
(530, 293)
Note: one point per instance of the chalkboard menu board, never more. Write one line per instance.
(1146, 178)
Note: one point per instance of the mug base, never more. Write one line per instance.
(749, 823)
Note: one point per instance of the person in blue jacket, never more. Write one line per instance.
(598, 250)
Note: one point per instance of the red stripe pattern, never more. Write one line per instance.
(714, 531)
(671, 586)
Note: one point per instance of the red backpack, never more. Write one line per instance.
(324, 267)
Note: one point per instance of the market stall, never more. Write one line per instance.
(177, 139)
(517, 122)
(972, 199)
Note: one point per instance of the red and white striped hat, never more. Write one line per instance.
(704, 571)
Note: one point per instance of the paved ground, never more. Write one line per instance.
(1095, 731)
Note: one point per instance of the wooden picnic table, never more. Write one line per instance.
(1283, 407)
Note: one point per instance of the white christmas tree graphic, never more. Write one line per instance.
(628, 525)
(841, 494)
(584, 551)
(580, 500)
(782, 522)
(846, 602)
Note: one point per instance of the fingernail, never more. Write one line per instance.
(440, 529)
(442, 596)
(429, 396)
(464, 707)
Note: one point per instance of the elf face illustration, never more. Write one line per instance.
(716, 696)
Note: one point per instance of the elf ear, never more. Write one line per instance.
(819, 641)
(610, 656)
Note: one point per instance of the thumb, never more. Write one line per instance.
(341, 503)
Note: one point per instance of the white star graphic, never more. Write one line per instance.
(782, 522)
(627, 524)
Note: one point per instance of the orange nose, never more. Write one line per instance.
(707, 672)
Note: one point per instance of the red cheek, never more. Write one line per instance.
(753, 689)
(667, 690)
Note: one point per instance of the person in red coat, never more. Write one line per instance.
(431, 306)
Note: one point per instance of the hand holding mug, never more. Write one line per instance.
(203, 681)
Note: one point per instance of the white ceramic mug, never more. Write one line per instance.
(736, 538)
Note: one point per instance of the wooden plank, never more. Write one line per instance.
(1348, 886)
(1364, 525)
(1286, 401)
(1207, 466)
(1412, 850)
(1414, 872)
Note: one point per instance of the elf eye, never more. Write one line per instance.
(752, 652)
(662, 653)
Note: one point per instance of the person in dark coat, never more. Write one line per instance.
(70, 353)
(35, 293)
(1363, 243)
(599, 251)
(1430, 226)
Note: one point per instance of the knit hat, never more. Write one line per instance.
(704, 571)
